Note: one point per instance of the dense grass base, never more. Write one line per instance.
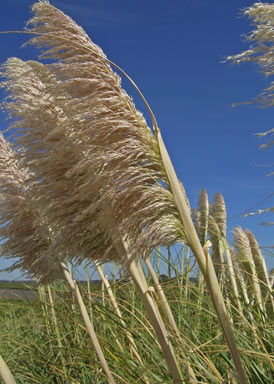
(30, 345)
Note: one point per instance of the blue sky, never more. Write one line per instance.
(174, 52)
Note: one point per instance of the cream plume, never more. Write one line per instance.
(50, 152)
(24, 236)
(120, 159)
(204, 211)
(125, 177)
(219, 213)
(246, 260)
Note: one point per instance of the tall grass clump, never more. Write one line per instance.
(100, 186)
(133, 161)
(33, 73)
(28, 239)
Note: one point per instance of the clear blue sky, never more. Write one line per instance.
(173, 51)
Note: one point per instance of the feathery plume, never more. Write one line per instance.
(137, 193)
(122, 155)
(28, 238)
(260, 52)
(196, 217)
(219, 213)
(261, 41)
(43, 130)
(257, 257)
(204, 211)
(76, 222)
(246, 260)
(259, 262)
(215, 238)
(23, 236)
(241, 280)
(244, 252)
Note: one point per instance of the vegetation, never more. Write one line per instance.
(26, 284)
(30, 348)
(84, 178)
(260, 53)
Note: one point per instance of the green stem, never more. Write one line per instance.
(55, 323)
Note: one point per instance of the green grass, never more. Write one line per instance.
(29, 345)
(28, 284)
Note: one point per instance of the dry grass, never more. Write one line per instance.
(90, 180)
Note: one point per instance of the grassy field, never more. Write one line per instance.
(46, 342)
(84, 178)
(26, 284)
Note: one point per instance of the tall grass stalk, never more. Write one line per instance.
(218, 225)
(187, 273)
(43, 301)
(162, 298)
(133, 347)
(118, 162)
(172, 323)
(157, 255)
(102, 284)
(156, 320)
(246, 260)
(169, 263)
(91, 332)
(245, 297)
(114, 277)
(135, 271)
(5, 373)
(179, 197)
(218, 254)
(261, 270)
(73, 305)
(167, 349)
(204, 260)
(56, 328)
(88, 291)
(181, 285)
(232, 276)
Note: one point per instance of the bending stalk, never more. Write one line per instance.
(203, 259)
(117, 311)
(156, 321)
(5, 373)
(74, 288)
(170, 317)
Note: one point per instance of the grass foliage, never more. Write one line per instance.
(85, 179)
(29, 343)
